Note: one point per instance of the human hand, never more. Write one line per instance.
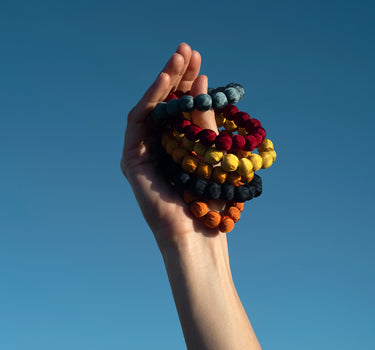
(163, 209)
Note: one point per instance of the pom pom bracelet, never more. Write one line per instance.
(217, 99)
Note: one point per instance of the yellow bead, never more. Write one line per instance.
(242, 131)
(220, 120)
(248, 177)
(230, 125)
(245, 167)
(234, 178)
(190, 163)
(179, 154)
(213, 156)
(267, 159)
(257, 161)
(230, 162)
(200, 149)
(204, 170)
(188, 144)
(267, 145)
(273, 154)
(219, 175)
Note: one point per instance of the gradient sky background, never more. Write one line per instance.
(79, 268)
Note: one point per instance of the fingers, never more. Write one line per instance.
(191, 72)
(206, 120)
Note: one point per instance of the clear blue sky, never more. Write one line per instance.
(79, 268)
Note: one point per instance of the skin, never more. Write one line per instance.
(196, 258)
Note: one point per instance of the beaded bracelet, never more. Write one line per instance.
(244, 163)
(252, 133)
(173, 106)
(183, 180)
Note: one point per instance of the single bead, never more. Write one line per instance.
(219, 100)
(234, 213)
(173, 107)
(179, 123)
(227, 192)
(232, 94)
(219, 175)
(256, 180)
(239, 87)
(257, 161)
(187, 103)
(230, 125)
(273, 154)
(200, 149)
(190, 163)
(230, 162)
(248, 177)
(207, 137)
(230, 111)
(180, 179)
(159, 115)
(213, 156)
(188, 144)
(242, 131)
(220, 119)
(267, 159)
(212, 219)
(226, 225)
(197, 185)
(267, 145)
(251, 142)
(245, 167)
(261, 132)
(212, 191)
(234, 178)
(241, 118)
(241, 194)
(192, 131)
(238, 142)
(198, 209)
(204, 170)
(240, 206)
(223, 142)
(203, 102)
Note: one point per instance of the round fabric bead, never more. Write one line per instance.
(223, 142)
(230, 162)
(219, 175)
(226, 225)
(173, 107)
(238, 142)
(187, 103)
(207, 137)
(267, 159)
(190, 163)
(245, 167)
(212, 219)
(212, 191)
(198, 209)
(241, 194)
(203, 102)
(257, 161)
(232, 95)
(200, 149)
(219, 100)
(192, 132)
(234, 213)
(227, 192)
(234, 178)
(229, 112)
(197, 185)
(213, 156)
(204, 170)
(188, 144)
(267, 145)
(179, 123)
(240, 118)
(159, 115)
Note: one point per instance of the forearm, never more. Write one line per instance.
(210, 311)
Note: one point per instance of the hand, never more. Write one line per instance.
(164, 210)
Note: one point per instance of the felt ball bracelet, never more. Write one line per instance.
(173, 105)
(243, 163)
(197, 185)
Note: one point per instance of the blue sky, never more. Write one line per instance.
(79, 267)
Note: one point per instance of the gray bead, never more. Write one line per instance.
(239, 87)
(203, 102)
(210, 91)
(173, 107)
(219, 100)
(233, 95)
(187, 103)
(160, 115)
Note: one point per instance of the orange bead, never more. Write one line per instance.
(234, 178)
(212, 219)
(248, 177)
(226, 225)
(190, 163)
(198, 209)
(219, 175)
(240, 206)
(188, 197)
(204, 170)
(234, 213)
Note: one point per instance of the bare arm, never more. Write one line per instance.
(195, 257)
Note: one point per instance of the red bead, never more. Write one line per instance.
(251, 142)
(170, 97)
(207, 137)
(261, 131)
(223, 142)
(192, 131)
(238, 142)
(241, 118)
(256, 123)
(259, 139)
(229, 111)
(180, 123)
(179, 93)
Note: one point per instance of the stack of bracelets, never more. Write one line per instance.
(202, 165)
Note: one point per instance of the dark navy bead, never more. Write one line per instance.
(258, 190)
(219, 100)
(227, 192)
(256, 180)
(187, 103)
(160, 115)
(241, 194)
(232, 94)
(220, 89)
(203, 102)
(173, 107)
(210, 91)
(181, 178)
(197, 185)
(213, 191)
